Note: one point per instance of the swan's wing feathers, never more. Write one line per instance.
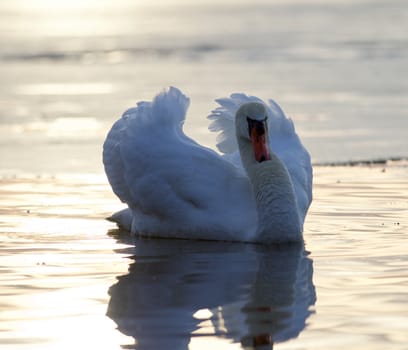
(164, 176)
(113, 162)
(112, 148)
(181, 183)
(276, 109)
(223, 120)
(227, 103)
(131, 133)
(170, 107)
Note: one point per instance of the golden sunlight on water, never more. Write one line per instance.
(54, 241)
(74, 18)
(66, 283)
(63, 18)
(57, 5)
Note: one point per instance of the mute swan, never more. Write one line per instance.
(258, 191)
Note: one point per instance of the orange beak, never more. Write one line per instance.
(259, 138)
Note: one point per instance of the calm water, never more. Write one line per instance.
(70, 68)
(70, 280)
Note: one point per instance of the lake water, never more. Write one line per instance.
(69, 279)
(69, 68)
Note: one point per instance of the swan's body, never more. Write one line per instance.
(176, 188)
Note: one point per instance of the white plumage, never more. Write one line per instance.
(175, 187)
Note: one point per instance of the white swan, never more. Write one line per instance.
(258, 191)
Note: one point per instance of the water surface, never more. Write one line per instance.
(70, 68)
(70, 279)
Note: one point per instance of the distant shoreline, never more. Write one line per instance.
(376, 161)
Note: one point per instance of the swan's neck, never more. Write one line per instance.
(278, 218)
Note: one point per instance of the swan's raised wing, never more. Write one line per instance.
(172, 185)
(282, 138)
(135, 128)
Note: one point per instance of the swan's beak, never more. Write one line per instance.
(259, 138)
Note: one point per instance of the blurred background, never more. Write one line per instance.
(69, 68)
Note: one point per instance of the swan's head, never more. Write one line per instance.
(251, 124)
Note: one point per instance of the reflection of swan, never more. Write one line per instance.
(260, 191)
(252, 294)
